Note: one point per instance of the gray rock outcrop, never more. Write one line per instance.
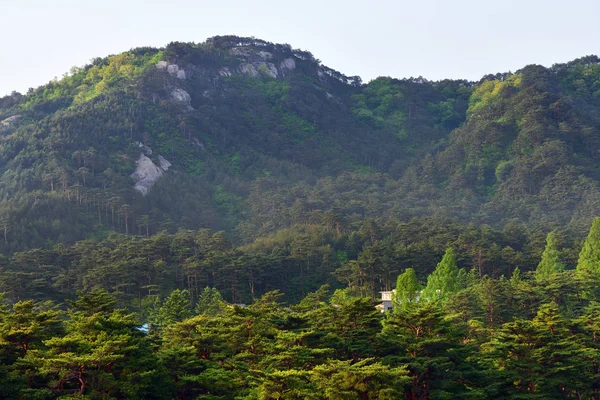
(9, 121)
(287, 65)
(249, 69)
(257, 68)
(225, 71)
(147, 150)
(182, 97)
(147, 173)
(172, 69)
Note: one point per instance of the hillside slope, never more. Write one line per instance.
(247, 136)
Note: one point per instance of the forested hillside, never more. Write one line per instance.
(258, 137)
(250, 166)
(216, 221)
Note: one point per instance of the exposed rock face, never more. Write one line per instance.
(172, 69)
(164, 164)
(147, 173)
(147, 150)
(249, 69)
(241, 51)
(182, 97)
(265, 55)
(10, 120)
(225, 71)
(256, 63)
(271, 70)
(252, 63)
(287, 65)
(255, 69)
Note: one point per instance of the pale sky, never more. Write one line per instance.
(436, 39)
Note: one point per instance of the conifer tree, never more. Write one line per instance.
(176, 308)
(102, 354)
(428, 345)
(407, 289)
(550, 263)
(538, 356)
(444, 280)
(589, 257)
(210, 302)
(362, 380)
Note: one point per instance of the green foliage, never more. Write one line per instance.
(503, 170)
(407, 289)
(175, 308)
(589, 257)
(491, 338)
(550, 263)
(365, 380)
(491, 91)
(254, 154)
(444, 280)
(229, 205)
(210, 302)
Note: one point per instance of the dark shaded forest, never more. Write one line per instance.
(458, 335)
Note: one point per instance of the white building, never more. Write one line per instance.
(386, 300)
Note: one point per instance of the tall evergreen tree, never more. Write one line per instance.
(444, 280)
(176, 308)
(210, 302)
(550, 263)
(589, 257)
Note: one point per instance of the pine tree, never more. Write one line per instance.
(444, 280)
(365, 379)
(589, 257)
(537, 358)
(429, 346)
(176, 308)
(210, 302)
(550, 263)
(100, 353)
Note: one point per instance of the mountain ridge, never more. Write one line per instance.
(237, 115)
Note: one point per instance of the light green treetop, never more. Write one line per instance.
(589, 257)
(550, 263)
(210, 302)
(444, 280)
(407, 289)
(175, 308)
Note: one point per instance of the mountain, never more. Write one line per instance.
(216, 220)
(250, 137)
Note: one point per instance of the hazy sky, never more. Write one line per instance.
(41, 39)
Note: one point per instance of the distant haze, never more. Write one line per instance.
(436, 39)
